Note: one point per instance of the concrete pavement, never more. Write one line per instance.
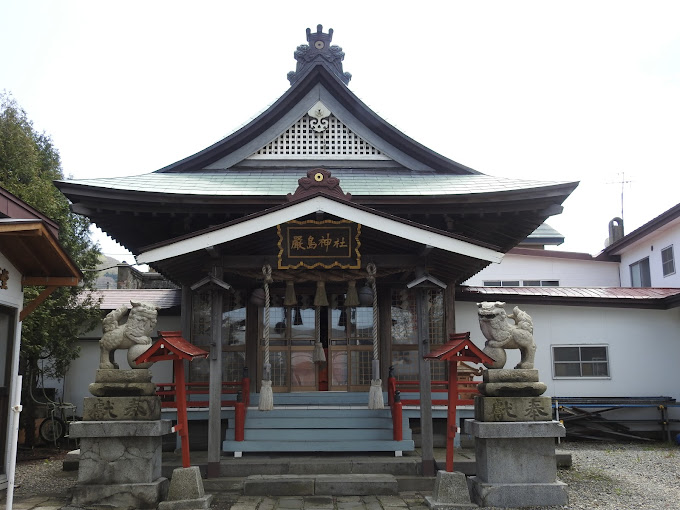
(403, 501)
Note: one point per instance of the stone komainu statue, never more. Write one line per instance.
(501, 334)
(134, 335)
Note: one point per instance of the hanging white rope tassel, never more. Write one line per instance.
(266, 393)
(375, 395)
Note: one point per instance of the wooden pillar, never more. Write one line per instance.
(215, 401)
(385, 331)
(426, 439)
(449, 310)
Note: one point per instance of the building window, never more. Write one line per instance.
(580, 361)
(501, 283)
(639, 274)
(668, 261)
(525, 283)
(541, 283)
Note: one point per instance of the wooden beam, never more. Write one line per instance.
(28, 309)
(50, 281)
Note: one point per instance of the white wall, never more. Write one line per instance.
(74, 387)
(11, 297)
(651, 247)
(570, 272)
(644, 347)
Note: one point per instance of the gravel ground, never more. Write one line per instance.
(619, 476)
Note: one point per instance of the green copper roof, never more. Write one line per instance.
(279, 182)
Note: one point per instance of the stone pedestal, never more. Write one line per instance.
(516, 465)
(450, 492)
(515, 442)
(186, 491)
(120, 463)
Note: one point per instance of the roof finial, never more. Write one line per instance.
(319, 49)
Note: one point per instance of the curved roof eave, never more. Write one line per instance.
(315, 75)
(79, 191)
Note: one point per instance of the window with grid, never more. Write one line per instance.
(580, 361)
(351, 344)
(667, 261)
(233, 335)
(405, 333)
(541, 283)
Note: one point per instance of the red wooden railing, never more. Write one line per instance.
(466, 392)
(234, 394)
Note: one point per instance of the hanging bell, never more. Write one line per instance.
(352, 298)
(320, 299)
(290, 299)
(366, 296)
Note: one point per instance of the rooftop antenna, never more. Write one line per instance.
(623, 182)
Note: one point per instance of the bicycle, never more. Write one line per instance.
(55, 427)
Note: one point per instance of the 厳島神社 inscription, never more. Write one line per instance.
(325, 244)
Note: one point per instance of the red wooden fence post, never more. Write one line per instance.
(239, 418)
(398, 430)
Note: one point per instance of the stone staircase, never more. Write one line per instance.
(319, 422)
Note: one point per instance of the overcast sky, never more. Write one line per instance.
(583, 91)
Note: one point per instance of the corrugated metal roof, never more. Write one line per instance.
(578, 292)
(657, 298)
(279, 182)
(163, 298)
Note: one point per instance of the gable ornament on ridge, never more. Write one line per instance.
(318, 180)
(319, 49)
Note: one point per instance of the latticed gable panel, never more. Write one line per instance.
(303, 140)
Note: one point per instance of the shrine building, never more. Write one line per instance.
(310, 229)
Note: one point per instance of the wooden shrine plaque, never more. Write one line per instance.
(312, 244)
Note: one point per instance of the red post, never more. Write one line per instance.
(398, 430)
(451, 427)
(239, 418)
(181, 399)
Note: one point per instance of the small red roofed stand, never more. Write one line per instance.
(458, 348)
(171, 346)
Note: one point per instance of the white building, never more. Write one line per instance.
(30, 254)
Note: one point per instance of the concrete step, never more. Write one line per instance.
(318, 446)
(321, 434)
(320, 485)
(319, 429)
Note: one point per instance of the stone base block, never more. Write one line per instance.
(186, 483)
(518, 495)
(278, 485)
(450, 492)
(492, 409)
(355, 485)
(122, 389)
(119, 453)
(121, 408)
(139, 375)
(187, 504)
(523, 429)
(129, 495)
(512, 389)
(494, 375)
